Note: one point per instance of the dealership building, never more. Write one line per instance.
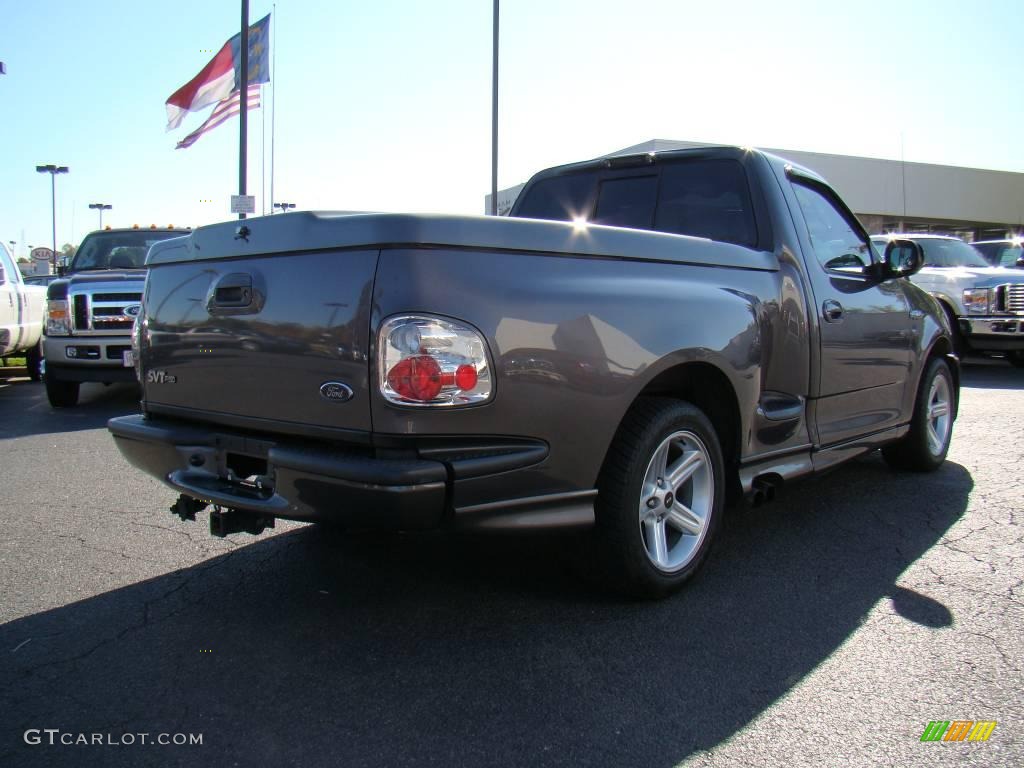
(891, 195)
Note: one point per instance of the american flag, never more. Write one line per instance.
(225, 109)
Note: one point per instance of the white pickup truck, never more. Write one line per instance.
(21, 315)
(985, 304)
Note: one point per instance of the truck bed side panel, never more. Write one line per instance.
(573, 341)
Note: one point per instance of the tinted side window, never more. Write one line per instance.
(835, 241)
(627, 202)
(707, 198)
(560, 198)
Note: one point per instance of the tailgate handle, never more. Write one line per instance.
(234, 290)
(234, 294)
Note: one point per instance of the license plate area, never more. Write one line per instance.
(128, 359)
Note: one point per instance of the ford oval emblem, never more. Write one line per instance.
(336, 392)
(132, 310)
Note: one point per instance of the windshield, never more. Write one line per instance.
(950, 253)
(117, 250)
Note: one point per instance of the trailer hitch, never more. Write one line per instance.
(227, 521)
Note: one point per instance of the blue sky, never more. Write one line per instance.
(385, 105)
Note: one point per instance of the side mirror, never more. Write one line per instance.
(902, 259)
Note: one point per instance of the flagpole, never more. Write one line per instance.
(494, 117)
(273, 106)
(263, 154)
(243, 55)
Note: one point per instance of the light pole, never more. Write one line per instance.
(101, 207)
(53, 170)
(284, 206)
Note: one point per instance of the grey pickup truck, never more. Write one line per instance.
(642, 338)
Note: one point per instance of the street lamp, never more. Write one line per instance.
(53, 170)
(284, 206)
(101, 207)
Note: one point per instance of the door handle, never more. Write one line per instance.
(832, 311)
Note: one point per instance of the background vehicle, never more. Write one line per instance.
(1001, 253)
(985, 304)
(498, 374)
(21, 315)
(91, 309)
(43, 280)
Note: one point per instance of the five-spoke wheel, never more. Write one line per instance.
(660, 497)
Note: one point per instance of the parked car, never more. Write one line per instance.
(985, 304)
(43, 280)
(21, 316)
(1002, 253)
(643, 336)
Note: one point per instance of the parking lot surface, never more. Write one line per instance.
(828, 628)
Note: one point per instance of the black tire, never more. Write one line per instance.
(61, 394)
(627, 526)
(33, 361)
(919, 451)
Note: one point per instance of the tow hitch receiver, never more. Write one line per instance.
(227, 521)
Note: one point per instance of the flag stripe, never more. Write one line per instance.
(225, 110)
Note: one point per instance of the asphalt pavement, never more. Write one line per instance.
(828, 628)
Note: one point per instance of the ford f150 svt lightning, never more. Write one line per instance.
(643, 336)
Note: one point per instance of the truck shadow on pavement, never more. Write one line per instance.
(24, 409)
(311, 648)
(990, 374)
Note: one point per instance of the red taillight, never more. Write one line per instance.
(416, 378)
(465, 377)
(432, 362)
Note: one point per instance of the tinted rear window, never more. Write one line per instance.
(703, 198)
(627, 202)
(560, 198)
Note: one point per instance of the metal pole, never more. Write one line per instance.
(53, 207)
(494, 116)
(243, 97)
(273, 108)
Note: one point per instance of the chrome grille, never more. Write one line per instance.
(1014, 299)
(102, 313)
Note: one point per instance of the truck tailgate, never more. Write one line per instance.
(261, 340)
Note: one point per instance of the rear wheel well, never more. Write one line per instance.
(941, 348)
(706, 387)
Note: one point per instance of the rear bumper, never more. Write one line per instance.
(354, 488)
